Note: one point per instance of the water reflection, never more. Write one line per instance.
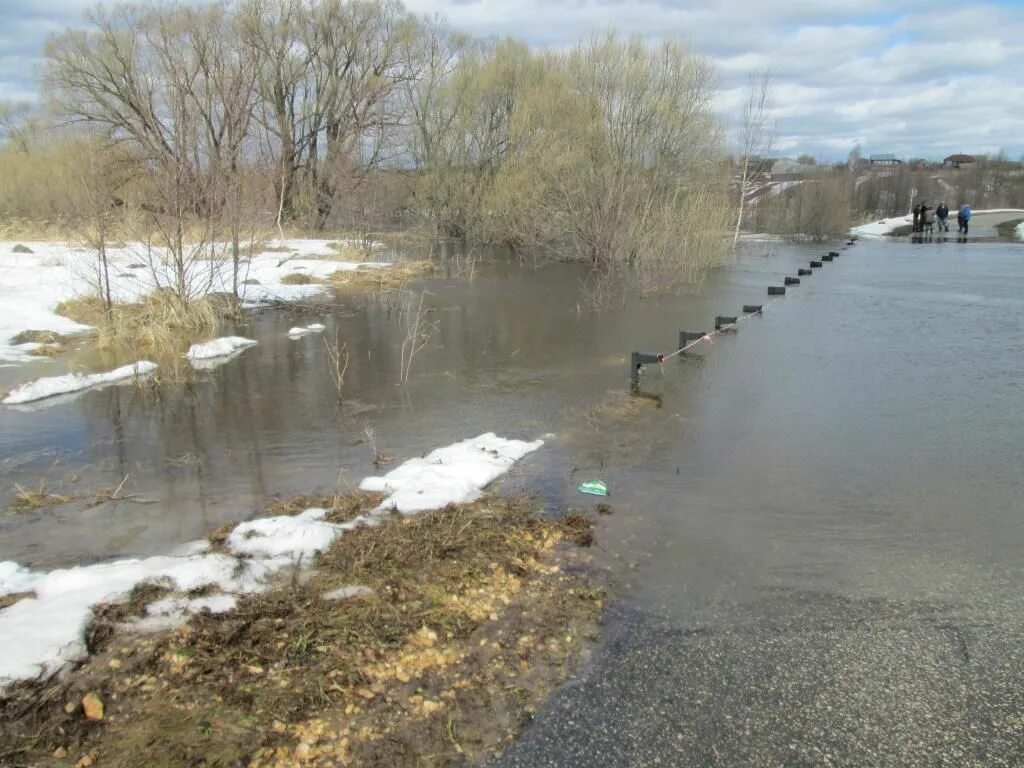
(865, 431)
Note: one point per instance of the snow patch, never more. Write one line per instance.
(454, 474)
(45, 630)
(33, 284)
(177, 606)
(76, 382)
(222, 347)
(42, 633)
(347, 593)
(882, 227)
(299, 331)
(1020, 231)
(301, 536)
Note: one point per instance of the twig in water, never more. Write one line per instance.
(417, 335)
(337, 355)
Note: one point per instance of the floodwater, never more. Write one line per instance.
(816, 546)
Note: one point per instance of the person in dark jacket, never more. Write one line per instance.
(926, 222)
(917, 218)
(942, 213)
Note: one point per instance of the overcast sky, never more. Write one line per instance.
(918, 79)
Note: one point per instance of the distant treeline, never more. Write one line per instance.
(832, 198)
(205, 123)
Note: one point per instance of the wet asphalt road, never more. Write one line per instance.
(823, 522)
(795, 679)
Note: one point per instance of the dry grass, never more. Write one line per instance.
(6, 601)
(384, 278)
(350, 251)
(17, 228)
(28, 499)
(301, 278)
(468, 624)
(341, 507)
(49, 350)
(161, 326)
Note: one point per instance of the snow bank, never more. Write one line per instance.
(222, 347)
(451, 475)
(298, 537)
(33, 284)
(75, 382)
(45, 630)
(883, 227)
(299, 331)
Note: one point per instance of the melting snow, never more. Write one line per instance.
(451, 475)
(882, 227)
(298, 332)
(75, 382)
(33, 284)
(222, 347)
(45, 630)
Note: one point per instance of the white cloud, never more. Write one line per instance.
(904, 76)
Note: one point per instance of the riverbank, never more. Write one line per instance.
(981, 222)
(45, 286)
(421, 641)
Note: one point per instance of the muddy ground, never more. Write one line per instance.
(468, 617)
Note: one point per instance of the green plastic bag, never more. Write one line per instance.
(594, 488)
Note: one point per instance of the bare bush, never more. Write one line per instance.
(337, 358)
(418, 333)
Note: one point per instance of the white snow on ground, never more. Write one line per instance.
(347, 593)
(884, 227)
(451, 475)
(172, 606)
(43, 631)
(75, 382)
(222, 347)
(301, 536)
(299, 331)
(33, 284)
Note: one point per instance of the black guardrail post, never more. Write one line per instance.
(752, 309)
(776, 290)
(723, 321)
(804, 272)
(791, 281)
(686, 337)
(637, 361)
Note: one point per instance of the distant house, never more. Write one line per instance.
(958, 161)
(884, 160)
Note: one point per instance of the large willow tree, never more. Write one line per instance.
(608, 152)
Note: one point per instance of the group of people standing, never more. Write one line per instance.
(923, 218)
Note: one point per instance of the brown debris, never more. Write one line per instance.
(470, 623)
(92, 706)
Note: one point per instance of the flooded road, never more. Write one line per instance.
(817, 536)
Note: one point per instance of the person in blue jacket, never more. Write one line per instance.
(963, 218)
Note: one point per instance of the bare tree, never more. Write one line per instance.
(756, 137)
(173, 83)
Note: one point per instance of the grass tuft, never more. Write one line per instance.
(161, 326)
